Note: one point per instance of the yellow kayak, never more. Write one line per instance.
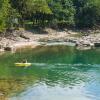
(23, 64)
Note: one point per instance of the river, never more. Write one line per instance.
(57, 73)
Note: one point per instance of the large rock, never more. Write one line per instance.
(97, 44)
(7, 48)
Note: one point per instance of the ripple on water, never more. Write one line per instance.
(44, 92)
(71, 81)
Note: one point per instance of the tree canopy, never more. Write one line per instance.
(80, 13)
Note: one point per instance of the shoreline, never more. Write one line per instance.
(23, 39)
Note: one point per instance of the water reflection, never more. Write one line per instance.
(57, 72)
(44, 92)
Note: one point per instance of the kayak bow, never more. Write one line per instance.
(23, 64)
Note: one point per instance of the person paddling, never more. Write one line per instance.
(24, 61)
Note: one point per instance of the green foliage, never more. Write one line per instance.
(38, 6)
(31, 9)
(63, 11)
(4, 12)
(87, 12)
(82, 13)
(12, 20)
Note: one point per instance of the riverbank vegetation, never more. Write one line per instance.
(52, 13)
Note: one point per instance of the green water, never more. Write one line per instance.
(57, 73)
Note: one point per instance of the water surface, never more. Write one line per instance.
(57, 73)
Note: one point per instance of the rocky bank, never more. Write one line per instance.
(11, 41)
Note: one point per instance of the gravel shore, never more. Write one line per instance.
(22, 38)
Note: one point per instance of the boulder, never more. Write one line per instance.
(97, 44)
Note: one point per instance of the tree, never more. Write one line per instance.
(63, 11)
(40, 11)
(31, 9)
(4, 12)
(87, 12)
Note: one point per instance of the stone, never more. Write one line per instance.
(96, 44)
(7, 48)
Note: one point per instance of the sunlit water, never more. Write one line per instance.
(57, 73)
